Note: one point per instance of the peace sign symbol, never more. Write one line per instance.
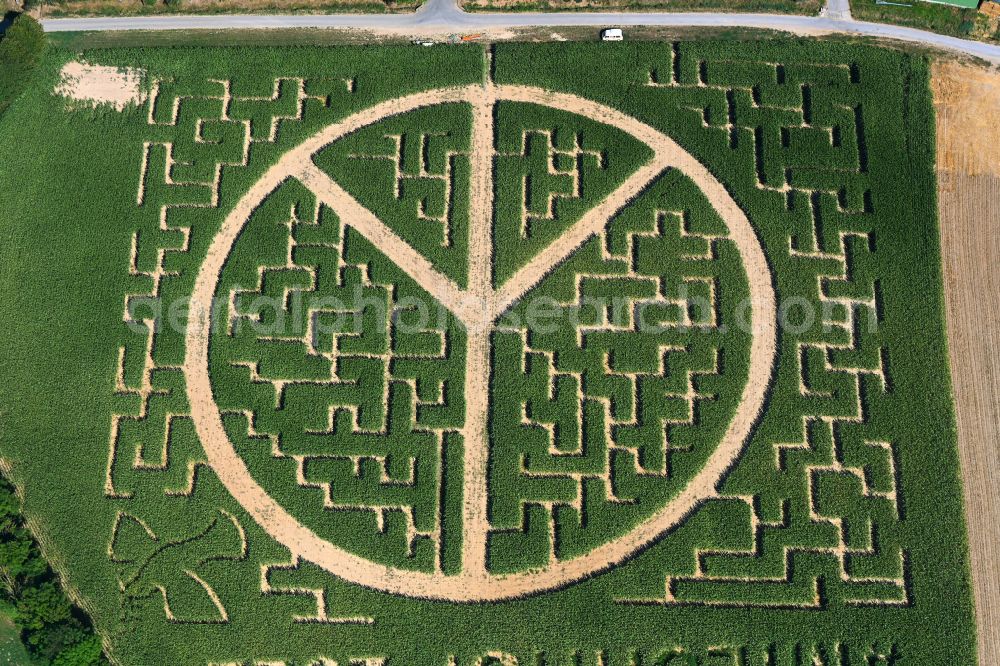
(478, 306)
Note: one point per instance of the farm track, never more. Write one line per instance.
(441, 17)
(969, 204)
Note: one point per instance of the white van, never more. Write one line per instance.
(611, 35)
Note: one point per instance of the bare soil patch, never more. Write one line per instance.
(968, 150)
(99, 84)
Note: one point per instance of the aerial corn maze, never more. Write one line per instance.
(603, 355)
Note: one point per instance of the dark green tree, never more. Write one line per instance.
(53, 630)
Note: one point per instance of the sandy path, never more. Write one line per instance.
(968, 136)
(477, 307)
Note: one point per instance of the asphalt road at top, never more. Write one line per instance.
(444, 16)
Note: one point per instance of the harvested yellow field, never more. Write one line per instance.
(968, 135)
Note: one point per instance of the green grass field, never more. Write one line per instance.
(954, 21)
(546, 354)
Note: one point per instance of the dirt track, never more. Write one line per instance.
(968, 135)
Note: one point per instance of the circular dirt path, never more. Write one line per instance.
(477, 307)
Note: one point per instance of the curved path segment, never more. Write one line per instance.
(444, 16)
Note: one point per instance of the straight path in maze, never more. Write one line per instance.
(969, 198)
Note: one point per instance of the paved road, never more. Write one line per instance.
(444, 16)
(837, 9)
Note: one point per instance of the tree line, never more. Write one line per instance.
(54, 631)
